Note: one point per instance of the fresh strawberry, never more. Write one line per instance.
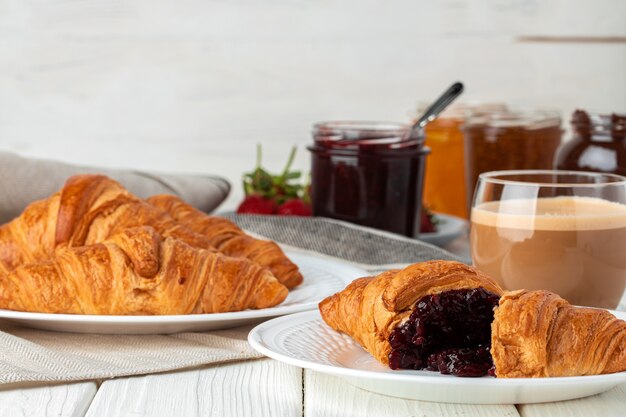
(265, 192)
(294, 207)
(256, 204)
(427, 221)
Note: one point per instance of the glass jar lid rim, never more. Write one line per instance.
(515, 116)
(461, 109)
(359, 125)
(367, 132)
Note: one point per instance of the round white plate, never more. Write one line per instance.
(304, 340)
(322, 277)
(448, 229)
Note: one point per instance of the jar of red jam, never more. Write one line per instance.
(368, 173)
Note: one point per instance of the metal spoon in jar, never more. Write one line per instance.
(437, 107)
(429, 115)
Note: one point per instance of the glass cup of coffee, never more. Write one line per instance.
(562, 231)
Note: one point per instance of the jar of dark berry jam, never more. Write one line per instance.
(368, 173)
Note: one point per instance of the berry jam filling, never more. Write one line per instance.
(448, 332)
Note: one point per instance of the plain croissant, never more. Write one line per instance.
(88, 209)
(539, 334)
(136, 273)
(533, 333)
(229, 239)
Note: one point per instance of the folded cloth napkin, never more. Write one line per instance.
(23, 180)
(28, 355)
(35, 355)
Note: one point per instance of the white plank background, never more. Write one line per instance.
(328, 396)
(608, 404)
(192, 85)
(263, 388)
(47, 401)
(255, 388)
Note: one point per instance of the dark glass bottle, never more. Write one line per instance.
(598, 144)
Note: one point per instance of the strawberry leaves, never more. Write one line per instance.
(277, 189)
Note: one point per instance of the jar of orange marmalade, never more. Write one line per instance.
(445, 184)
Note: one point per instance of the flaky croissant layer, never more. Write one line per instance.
(539, 334)
(229, 239)
(135, 272)
(88, 209)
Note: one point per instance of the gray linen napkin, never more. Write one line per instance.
(35, 355)
(23, 180)
(373, 250)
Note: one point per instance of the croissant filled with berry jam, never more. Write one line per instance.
(449, 317)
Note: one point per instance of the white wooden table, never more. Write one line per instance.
(262, 388)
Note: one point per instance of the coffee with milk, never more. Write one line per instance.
(573, 246)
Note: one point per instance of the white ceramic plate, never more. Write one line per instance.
(304, 340)
(322, 277)
(448, 229)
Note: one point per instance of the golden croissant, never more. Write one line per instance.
(91, 208)
(539, 334)
(88, 209)
(135, 272)
(229, 239)
(439, 315)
